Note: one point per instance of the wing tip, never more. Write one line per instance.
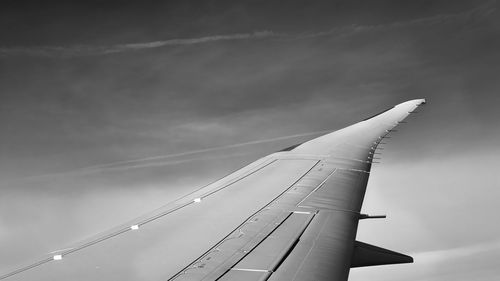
(414, 102)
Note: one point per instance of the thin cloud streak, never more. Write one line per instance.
(87, 50)
(211, 149)
(167, 163)
(432, 256)
(440, 19)
(154, 161)
(191, 41)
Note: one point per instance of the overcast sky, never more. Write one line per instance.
(130, 83)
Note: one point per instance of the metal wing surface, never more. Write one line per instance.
(292, 215)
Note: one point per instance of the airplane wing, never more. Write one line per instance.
(292, 215)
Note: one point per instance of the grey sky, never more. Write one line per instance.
(94, 83)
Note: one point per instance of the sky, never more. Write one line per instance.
(110, 109)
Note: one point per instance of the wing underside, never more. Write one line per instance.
(292, 215)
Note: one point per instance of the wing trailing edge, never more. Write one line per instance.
(368, 255)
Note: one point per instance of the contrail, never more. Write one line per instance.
(479, 12)
(86, 50)
(211, 149)
(88, 171)
(143, 162)
(159, 164)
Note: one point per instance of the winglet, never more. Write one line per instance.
(369, 255)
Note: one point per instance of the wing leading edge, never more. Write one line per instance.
(292, 215)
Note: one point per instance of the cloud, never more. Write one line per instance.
(89, 50)
(85, 50)
(159, 160)
(458, 252)
(211, 149)
(191, 41)
(144, 163)
(440, 19)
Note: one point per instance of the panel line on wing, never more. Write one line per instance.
(136, 223)
(318, 187)
(276, 217)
